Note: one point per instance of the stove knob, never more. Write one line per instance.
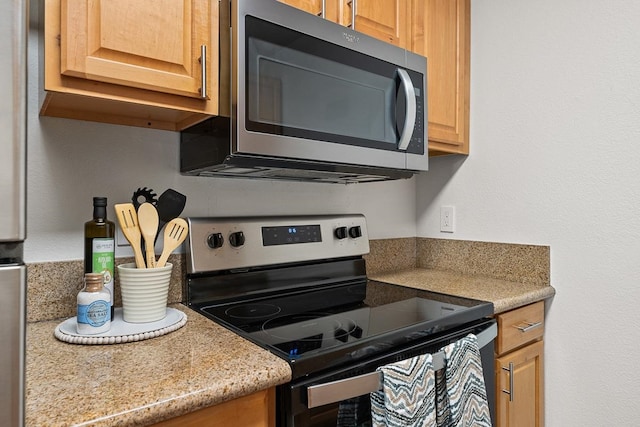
(236, 239)
(215, 240)
(341, 335)
(356, 332)
(341, 233)
(355, 232)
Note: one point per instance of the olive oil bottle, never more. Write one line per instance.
(99, 245)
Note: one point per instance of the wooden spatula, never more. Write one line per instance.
(175, 232)
(148, 223)
(128, 219)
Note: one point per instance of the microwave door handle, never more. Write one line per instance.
(410, 117)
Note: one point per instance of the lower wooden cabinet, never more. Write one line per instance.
(519, 367)
(255, 410)
(520, 388)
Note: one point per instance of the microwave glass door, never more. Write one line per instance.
(301, 86)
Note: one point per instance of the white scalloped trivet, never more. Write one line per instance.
(121, 331)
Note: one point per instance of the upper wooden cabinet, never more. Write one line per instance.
(441, 32)
(311, 6)
(96, 43)
(386, 20)
(140, 62)
(131, 62)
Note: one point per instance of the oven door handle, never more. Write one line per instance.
(337, 391)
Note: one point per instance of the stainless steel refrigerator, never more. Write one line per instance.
(13, 100)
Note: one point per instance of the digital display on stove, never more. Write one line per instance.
(290, 234)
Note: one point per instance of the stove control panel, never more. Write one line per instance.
(227, 243)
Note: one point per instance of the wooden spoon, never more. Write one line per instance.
(175, 232)
(128, 219)
(148, 223)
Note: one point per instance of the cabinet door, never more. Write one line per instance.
(523, 405)
(255, 410)
(147, 44)
(311, 6)
(441, 32)
(386, 20)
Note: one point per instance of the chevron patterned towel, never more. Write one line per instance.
(407, 398)
(413, 395)
(460, 388)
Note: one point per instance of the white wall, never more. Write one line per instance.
(555, 140)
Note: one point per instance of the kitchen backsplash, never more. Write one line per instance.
(391, 255)
(528, 264)
(52, 286)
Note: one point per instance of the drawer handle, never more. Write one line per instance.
(510, 391)
(529, 326)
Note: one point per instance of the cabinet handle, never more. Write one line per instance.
(324, 8)
(203, 71)
(529, 326)
(510, 391)
(353, 13)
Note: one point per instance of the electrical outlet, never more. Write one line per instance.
(447, 219)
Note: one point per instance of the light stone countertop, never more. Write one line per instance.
(141, 383)
(504, 294)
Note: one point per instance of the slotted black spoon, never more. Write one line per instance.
(170, 205)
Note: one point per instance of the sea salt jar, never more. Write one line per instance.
(94, 306)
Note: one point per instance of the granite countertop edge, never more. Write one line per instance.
(505, 295)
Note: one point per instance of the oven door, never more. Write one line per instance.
(307, 88)
(341, 397)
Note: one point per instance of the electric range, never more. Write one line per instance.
(297, 286)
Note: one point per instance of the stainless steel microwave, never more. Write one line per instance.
(304, 98)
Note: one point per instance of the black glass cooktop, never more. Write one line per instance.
(344, 322)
